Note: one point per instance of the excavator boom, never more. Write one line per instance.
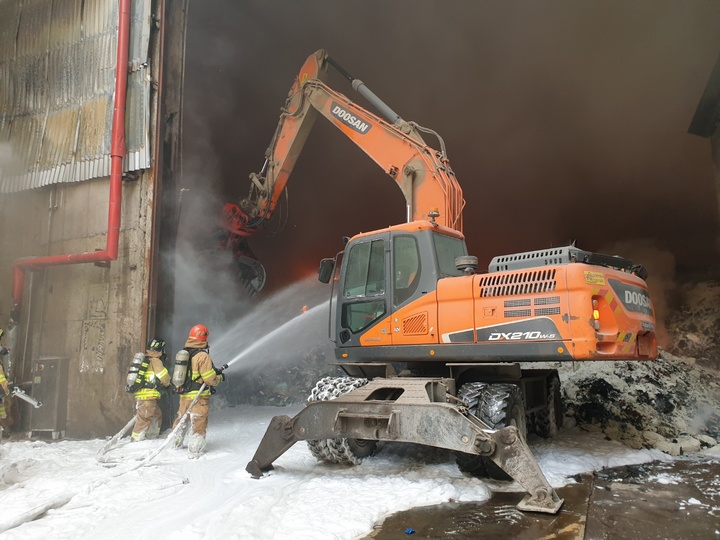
(422, 173)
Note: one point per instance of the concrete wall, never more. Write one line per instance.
(99, 317)
(93, 316)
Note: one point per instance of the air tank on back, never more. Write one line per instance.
(182, 359)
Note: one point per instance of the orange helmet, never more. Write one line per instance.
(199, 332)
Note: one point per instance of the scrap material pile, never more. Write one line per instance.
(282, 384)
(673, 403)
(695, 328)
(667, 404)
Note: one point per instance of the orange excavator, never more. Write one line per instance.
(435, 352)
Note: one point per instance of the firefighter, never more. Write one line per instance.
(149, 415)
(200, 370)
(5, 391)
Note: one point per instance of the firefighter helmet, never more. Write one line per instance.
(157, 344)
(199, 332)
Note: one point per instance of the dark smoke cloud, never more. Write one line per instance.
(563, 120)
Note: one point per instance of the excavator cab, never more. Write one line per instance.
(384, 272)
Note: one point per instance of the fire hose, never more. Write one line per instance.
(177, 429)
(19, 393)
(115, 438)
(170, 437)
(100, 456)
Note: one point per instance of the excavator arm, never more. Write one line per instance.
(422, 173)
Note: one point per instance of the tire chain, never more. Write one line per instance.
(471, 394)
(334, 450)
(490, 403)
(494, 405)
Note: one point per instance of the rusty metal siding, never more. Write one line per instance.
(137, 108)
(9, 20)
(57, 82)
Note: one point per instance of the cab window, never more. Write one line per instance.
(406, 268)
(359, 315)
(364, 284)
(365, 274)
(447, 248)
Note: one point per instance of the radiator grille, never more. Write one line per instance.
(518, 283)
(517, 303)
(547, 301)
(547, 311)
(542, 257)
(518, 313)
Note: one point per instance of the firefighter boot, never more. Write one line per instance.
(179, 438)
(196, 445)
(154, 430)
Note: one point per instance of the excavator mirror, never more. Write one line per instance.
(325, 272)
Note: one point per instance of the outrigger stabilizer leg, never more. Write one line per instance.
(438, 424)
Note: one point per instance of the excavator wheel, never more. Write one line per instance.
(472, 464)
(341, 450)
(498, 406)
(548, 420)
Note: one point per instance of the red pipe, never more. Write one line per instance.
(117, 154)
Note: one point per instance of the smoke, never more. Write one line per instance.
(282, 331)
(706, 418)
(562, 121)
(208, 291)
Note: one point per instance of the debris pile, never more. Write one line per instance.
(673, 403)
(667, 404)
(695, 327)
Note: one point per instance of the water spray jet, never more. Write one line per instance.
(274, 333)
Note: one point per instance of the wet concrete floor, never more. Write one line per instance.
(658, 500)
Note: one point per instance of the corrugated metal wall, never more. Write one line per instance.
(57, 80)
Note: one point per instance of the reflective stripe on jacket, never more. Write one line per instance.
(156, 373)
(3, 381)
(201, 369)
